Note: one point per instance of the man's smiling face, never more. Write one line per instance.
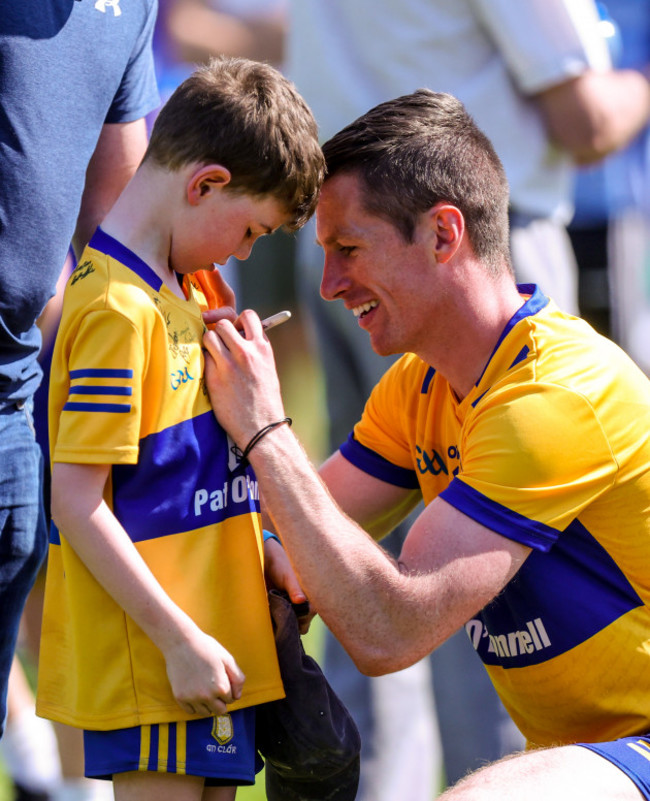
(371, 267)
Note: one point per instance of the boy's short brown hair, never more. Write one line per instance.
(246, 116)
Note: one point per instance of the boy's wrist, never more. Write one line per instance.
(269, 535)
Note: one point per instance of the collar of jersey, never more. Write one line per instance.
(107, 244)
(535, 303)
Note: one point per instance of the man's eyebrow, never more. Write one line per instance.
(329, 240)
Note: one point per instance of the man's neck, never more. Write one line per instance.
(480, 320)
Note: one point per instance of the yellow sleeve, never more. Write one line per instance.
(99, 420)
(390, 414)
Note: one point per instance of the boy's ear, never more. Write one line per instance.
(206, 179)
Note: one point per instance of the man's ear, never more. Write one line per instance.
(448, 228)
(206, 179)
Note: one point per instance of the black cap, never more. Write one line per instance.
(309, 740)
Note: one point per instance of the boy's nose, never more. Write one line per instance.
(243, 251)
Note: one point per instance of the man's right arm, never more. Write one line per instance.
(387, 614)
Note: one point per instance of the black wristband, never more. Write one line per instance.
(243, 455)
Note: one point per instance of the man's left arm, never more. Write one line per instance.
(118, 153)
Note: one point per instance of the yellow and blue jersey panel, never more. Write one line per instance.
(551, 448)
(127, 390)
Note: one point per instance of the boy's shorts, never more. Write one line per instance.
(631, 755)
(221, 749)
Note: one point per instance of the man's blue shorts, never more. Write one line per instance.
(631, 755)
(221, 749)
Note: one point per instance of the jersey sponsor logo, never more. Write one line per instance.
(102, 5)
(240, 489)
(435, 464)
(533, 637)
(222, 729)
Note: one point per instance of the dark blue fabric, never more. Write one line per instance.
(23, 537)
(204, 496)
(375, 465)
(66, 68)
(558, 600)
(234, 761)
(107, 244)
(631, 755)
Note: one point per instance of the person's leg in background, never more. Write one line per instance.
(396, 716)
(474, 725)
(28, 748)
(66, 782)
(407, 760)
(23, 538)
(629, 278)
(542, 254)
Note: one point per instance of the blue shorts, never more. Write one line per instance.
(631, 755)
(221, 749)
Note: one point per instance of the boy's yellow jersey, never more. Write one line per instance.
(551, 448)
(127, 390)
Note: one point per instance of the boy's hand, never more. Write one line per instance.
(220, 297)
(280, 575)
(225, 292)
(203, 675)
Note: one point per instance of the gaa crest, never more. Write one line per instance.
(222, 729)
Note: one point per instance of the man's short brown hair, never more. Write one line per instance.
(418, 150)
(246, 116)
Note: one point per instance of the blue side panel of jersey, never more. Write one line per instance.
(497, 517)
(375, 465)
(556, 601)
(54, 536)
(185, 479)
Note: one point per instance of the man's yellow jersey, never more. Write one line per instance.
(551, 448)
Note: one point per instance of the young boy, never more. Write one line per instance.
(157, 638)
